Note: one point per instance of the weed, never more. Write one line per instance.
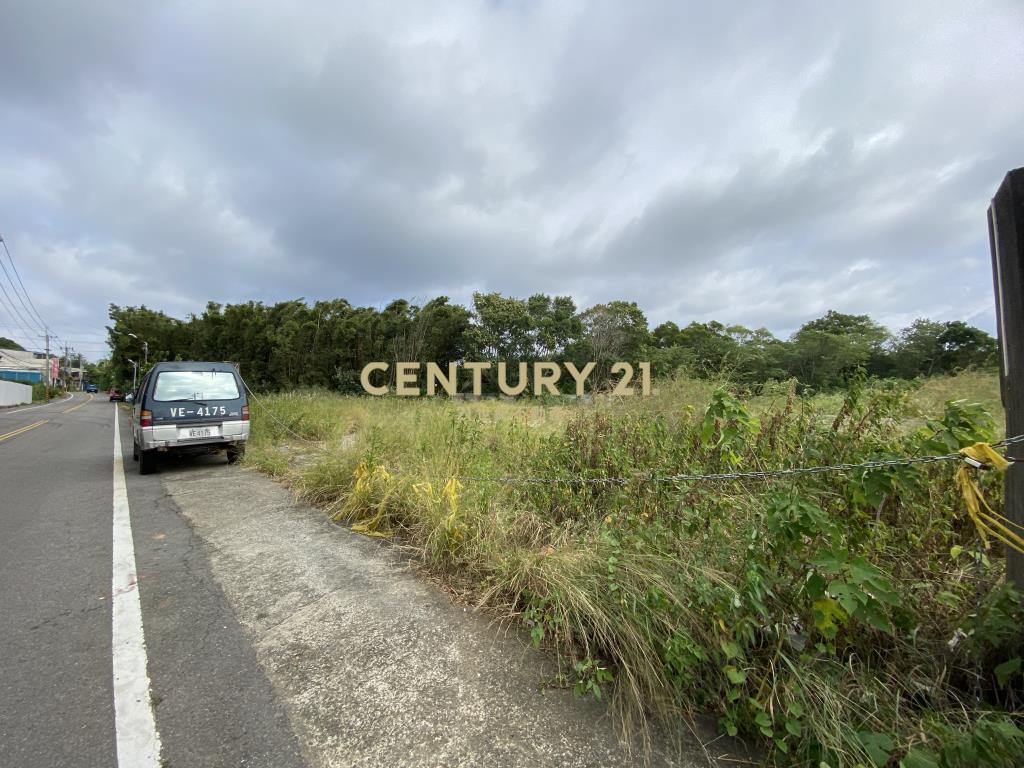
(840, 620)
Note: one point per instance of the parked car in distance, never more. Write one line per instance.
(91, 388)
(189, 407)
(116, 394)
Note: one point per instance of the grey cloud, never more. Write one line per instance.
(732, 163)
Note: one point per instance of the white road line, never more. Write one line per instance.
(138, 743)
(33, 407)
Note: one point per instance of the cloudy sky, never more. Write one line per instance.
(709, 161)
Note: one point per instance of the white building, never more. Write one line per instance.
(30, 367)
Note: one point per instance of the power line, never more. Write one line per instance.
(14, 314)
(17, 352)
(10, 258)
(79, 331)
(32, 320)
(27, 363)
(28, 336)
(101, 340)
(34, 317)
(12, 310)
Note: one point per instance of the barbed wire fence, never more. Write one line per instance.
(676, 479)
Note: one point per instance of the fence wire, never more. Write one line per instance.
(677, 479)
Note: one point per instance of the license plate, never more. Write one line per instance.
(193, 433)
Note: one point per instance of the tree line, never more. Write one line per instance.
(295, 344)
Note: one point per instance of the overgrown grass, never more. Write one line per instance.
(841, 619)
(39, 392)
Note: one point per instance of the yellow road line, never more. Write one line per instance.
(16, 432)
(76, 407)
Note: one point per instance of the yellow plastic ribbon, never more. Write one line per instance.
(366, 481)
(368, 529)
(988, 522)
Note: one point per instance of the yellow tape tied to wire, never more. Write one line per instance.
(988, 522)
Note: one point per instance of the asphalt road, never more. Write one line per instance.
(264, 634)
(212, 702)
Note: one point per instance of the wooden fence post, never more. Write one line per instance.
(1006, 240)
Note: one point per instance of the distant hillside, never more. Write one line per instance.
(6, 343)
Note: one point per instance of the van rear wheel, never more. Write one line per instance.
(135, 451)
(234, 454)
(147, 462)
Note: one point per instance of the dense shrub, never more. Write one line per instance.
(39, 392)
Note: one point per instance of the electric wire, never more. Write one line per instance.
(27, 336)
(10, 258)
(18, 275)
(26, 363)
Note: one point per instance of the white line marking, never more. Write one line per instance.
(33, 407)
(138, 743)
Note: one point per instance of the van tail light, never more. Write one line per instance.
(146, 419)
(245, 413)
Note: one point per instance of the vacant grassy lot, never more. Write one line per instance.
(838, 619)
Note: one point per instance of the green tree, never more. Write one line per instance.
(917, 351)
(666, 361)
(759, 356)
(141, 334)
(711, 345)
(666, 335)
(926, 347)
(824, 352)
(501, 328)
(612, 332)
(445, 325)
(554, 325)
(98, 373)
(964, 346)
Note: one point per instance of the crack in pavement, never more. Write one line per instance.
(65, 614)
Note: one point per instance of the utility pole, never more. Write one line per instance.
(46, 367)
(1006, 241)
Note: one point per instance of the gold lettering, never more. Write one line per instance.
(580, 376)
(623, 388)
(478, 376)
(546, 375)
(364, 378)
(435, 377)
(645, 379)
(503, 380)
(405, 379)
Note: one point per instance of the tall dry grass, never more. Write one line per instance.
(671, 598)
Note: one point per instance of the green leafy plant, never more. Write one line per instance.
(590, 677)
(728, 427)
(962, 424)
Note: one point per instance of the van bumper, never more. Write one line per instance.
(164, 437)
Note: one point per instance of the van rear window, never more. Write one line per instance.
(195, 385)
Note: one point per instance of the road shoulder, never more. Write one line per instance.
(375, 666)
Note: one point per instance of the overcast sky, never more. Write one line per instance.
(726, 161)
